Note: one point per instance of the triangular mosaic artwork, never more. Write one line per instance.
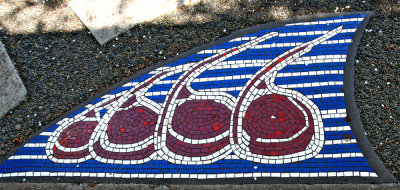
(267, 104)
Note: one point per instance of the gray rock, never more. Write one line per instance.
(18, 127)
(12, 90)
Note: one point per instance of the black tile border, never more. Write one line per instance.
(384, 176)
(354, 113)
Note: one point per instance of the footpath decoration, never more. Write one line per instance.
(269, 103)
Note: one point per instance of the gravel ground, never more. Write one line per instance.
(63, 69)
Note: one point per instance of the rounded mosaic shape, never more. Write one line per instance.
(73, 140)
(129, 135)
(275, 118)
(198, 128)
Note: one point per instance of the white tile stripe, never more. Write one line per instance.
(257, 63)
(338, 115)
(327, 21)
(308, 33)
(19, 157)
(341, 141)
(327, 95)
(232, 77)
(313, 84)
(340, 128)
(192, 176)
(46, 133)
(300, 85)
(338, 155)
(274, 45)
(333, 111)
(261, 62)
(33, 145)
(341, 155)
(310, 73)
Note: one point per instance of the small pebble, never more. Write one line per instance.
(18, 127)
(337, 8)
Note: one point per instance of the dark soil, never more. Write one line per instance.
(61, 70)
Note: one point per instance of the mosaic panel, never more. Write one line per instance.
(268, 105)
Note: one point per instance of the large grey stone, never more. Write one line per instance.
(12, 90)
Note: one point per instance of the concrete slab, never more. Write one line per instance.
(107, 19)
(27, 17)
(12, 90)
